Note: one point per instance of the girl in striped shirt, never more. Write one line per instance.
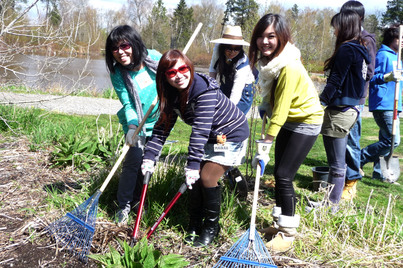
(218, 139)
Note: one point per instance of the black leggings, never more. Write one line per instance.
(290, 151)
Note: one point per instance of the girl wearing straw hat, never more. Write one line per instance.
(231, 64)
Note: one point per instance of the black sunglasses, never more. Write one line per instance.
(123, 46)
(233, 48)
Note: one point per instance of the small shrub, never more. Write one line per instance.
(141, 255)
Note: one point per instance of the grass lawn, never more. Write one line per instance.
(364, 231)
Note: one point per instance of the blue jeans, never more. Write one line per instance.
(353, 152)
(336, 158)
(371, 153)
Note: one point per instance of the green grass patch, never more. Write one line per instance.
(365, 231)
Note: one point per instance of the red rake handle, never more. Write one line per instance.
(182, 189)
(141, 205)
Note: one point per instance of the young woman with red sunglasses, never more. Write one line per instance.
(132, 70)
(217, 142)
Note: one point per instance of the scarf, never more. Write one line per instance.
(270, 72)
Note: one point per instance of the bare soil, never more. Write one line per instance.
(24, 214)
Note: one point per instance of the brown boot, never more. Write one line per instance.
(271, 230)
(287, 231)
(350, 190)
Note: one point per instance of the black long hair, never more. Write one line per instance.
(130, 35)
(348, 27)
(225, 69)
(282, 30)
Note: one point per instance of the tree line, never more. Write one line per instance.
(72, 28)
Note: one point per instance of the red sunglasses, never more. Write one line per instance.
(172, 72)
(123, 46)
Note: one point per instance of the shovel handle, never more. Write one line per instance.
(396, 99)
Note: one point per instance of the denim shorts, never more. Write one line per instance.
(234, 156)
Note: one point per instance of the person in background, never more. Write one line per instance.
(231, 64)
(132, 70)
(218, 139)
(347, 72)
(381, 101)
(353, 153)
(291, 101)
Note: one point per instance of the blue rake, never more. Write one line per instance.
(249, 250)
(75, 230)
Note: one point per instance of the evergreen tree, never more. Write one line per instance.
(394, 13)
(245, 14)
(295, 11)
(182, 23)
(227, 13)
(156, 33)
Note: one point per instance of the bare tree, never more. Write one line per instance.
(139, 11)
(211, 14)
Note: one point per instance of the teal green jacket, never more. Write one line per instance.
(144, 81)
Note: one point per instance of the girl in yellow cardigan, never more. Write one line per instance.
(291, 101)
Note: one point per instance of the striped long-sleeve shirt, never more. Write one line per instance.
(210, 113)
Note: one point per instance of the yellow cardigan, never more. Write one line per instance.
(296, 99)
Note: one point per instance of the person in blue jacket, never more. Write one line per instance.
(132, 70)
(347, 72)
(218, 139)
(381, 101)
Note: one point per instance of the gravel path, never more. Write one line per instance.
(63, 104)
(73, 104)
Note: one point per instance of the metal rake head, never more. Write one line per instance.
(75, 230)
(247, 253)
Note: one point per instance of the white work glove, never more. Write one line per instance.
(263, 149)
(147, 166)
(392, 76)
(131, 140)
(192, 175)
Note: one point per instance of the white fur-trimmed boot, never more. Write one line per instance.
(273, 228)
(287, 226)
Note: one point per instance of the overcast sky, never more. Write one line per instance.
(371, 6)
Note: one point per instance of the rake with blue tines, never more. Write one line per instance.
(75, 230)
(249, 250)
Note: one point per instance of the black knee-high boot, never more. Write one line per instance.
(195, 210)
(211, 208)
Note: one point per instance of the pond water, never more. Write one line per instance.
(70, 74)
(95, 76)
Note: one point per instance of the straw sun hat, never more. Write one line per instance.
(232, 35)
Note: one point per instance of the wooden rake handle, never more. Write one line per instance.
(126, 147)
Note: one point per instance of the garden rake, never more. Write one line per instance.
(249, 250)
(75, 230)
